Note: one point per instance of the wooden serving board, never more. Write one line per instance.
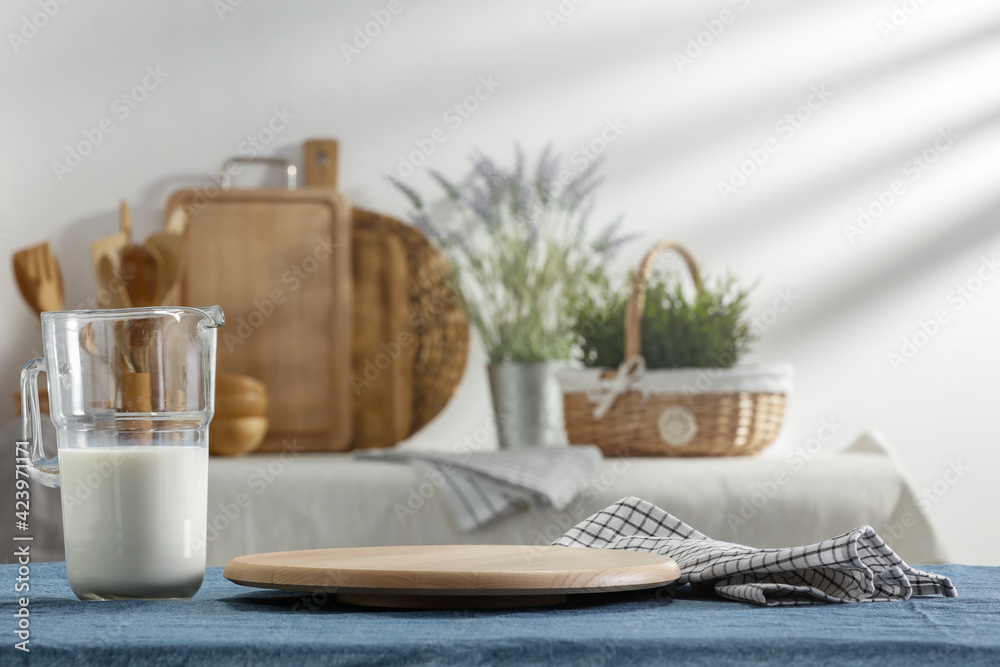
(454, 576)
(279, 264)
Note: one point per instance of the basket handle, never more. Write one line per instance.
(637, 300)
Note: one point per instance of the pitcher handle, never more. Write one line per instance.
(45, 471)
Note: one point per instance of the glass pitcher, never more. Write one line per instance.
(131, 395)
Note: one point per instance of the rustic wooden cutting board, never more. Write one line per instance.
(384, 343)
(279, 264)
(454, 576)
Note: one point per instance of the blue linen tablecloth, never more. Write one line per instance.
(226, 624)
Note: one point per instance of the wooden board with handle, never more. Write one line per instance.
(278, 262)
(384, 343)
(454, 575)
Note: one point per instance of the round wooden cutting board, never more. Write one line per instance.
(454, 576)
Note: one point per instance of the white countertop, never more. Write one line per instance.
(279, 502)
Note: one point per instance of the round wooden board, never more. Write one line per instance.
(454, 576)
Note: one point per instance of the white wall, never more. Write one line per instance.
(687, 126)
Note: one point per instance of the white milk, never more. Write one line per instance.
(134, 520)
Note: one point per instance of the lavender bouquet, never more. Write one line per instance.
(519, 243)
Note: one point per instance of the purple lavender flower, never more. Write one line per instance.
(484, 167)
(545, 174)
(454, 238)
(523, 315)
(533, 233)
(407, 191)
(585, 215)
(609, 242)
(583, 184)
(445, 184)
(481, 202)
(517, 175)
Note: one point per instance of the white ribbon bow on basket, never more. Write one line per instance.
(608, 390)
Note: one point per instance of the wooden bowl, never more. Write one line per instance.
(228, 383)
(235, 436)
(241, 403)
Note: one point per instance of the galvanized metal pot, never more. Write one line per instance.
(528, 404)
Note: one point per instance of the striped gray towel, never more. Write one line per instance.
(480, 487)
(854, 567)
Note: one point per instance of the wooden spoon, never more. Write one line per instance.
(111, 246)
(141, 269)
(125, 220)
(108, 278)
(39, 278)
(171, 250)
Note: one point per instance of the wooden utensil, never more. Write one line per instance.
(39, 278)
(105, 255)
(384, 344)
(450, 576)
(278, 262)
(109, 279)
(170, 248)
(141, 273)
(139, 266)
(125, 220)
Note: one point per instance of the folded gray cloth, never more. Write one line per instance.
(480, 487)
(854, 567)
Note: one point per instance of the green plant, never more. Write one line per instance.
(520, 250)
(708, 331)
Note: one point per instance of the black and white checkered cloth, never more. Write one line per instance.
(854, 567)
(480, 487)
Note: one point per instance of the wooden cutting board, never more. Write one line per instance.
(454, 576)
(279, 264)
(384, 344)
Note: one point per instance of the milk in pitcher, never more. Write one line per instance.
(134, 520)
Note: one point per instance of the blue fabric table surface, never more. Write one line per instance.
(226, 624)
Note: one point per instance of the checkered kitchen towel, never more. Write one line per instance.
(480, 487)
(855, 567)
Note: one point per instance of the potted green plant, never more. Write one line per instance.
(522, 256)
(708, 330)
(678, 388)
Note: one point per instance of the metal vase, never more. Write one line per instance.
(528, 404)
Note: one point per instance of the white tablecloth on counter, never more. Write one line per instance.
(278, 502)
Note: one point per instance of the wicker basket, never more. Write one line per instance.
(444, 339)
(683, 412)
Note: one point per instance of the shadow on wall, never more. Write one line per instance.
(975, 230)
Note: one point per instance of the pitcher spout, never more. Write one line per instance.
(214, 317)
